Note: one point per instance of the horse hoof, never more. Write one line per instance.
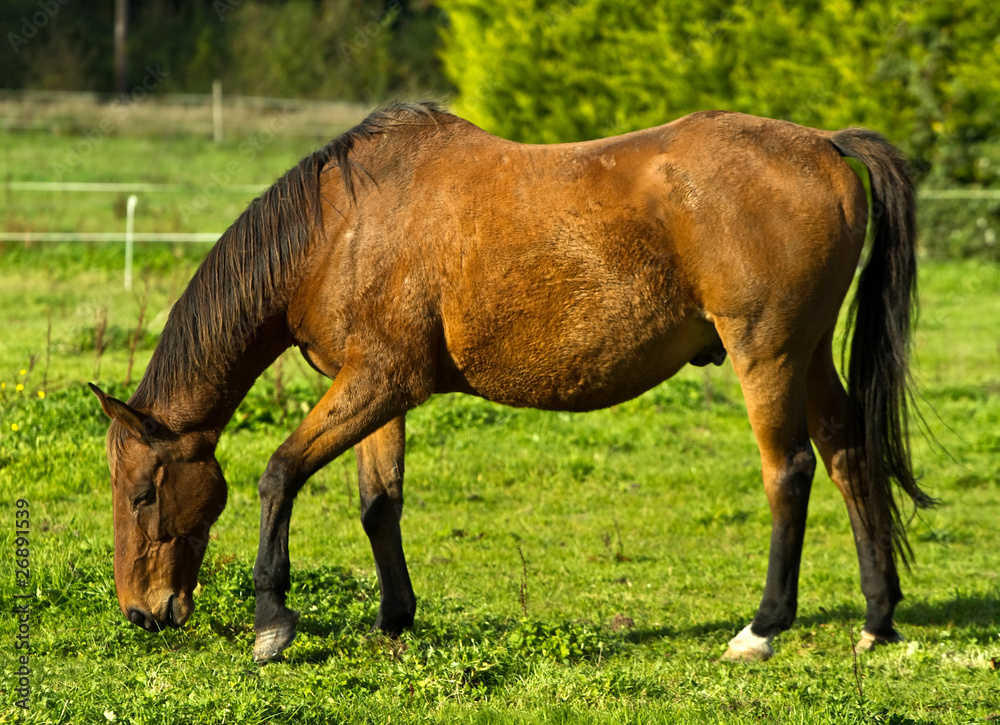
(869, 641)
(748, 647)
(270, 643)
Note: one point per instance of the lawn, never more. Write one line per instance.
(568, 568)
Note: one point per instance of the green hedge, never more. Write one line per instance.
(926, 74)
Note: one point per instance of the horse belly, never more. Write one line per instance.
(569, 303)
(569, 358)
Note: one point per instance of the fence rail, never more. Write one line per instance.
(183, 99)
(959, 194)
(31, 237)
(167, 114)
(124, 188)
(141, 187)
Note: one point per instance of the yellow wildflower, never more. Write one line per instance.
(19, 387)
(41, 393)
(23, 371)
(3, 386)
(13, 427)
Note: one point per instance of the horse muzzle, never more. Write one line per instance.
(174, 613)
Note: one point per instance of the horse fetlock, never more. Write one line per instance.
(271, 611)
(392, 620)
(749, 647)
(775, 616)
(870, 641)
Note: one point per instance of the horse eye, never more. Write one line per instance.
(146, 497)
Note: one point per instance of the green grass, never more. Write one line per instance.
(650, 513)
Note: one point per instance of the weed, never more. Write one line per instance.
(138, 327)
(523, 587)
(99, 329)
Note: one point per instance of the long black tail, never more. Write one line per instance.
(881, 315)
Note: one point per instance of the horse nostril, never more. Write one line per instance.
(170, 612)
(139, 618)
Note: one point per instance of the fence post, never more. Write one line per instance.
(129, 234)
(217, 111)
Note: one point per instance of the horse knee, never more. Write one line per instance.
(802, 462)
(276, 482)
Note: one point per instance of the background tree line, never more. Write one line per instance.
(924, 72)
(331, 49)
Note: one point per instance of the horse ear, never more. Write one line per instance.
(139, 425)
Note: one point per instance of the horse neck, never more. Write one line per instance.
(225, 330)
(230, 323)
(204, 398)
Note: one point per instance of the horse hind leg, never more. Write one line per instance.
(828, 416)
(380, 483)
(775, 391)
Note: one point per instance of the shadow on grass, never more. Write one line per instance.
(972, 611)
(338, 610)
(649, 634)
(979, 613)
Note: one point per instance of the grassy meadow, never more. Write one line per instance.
(568, 568)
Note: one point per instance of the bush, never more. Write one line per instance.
(926, 74)
(327, 49)
(577, 70)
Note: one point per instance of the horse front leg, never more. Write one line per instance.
(380, 483)
(274, 623)
(339, 421)
(777, 408)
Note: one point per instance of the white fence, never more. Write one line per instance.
(129, 237)
(136, 188)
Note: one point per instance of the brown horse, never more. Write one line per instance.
(566, 277)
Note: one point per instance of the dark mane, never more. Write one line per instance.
(378, 122)
(245, 280)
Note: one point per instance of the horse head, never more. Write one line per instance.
(167, 490)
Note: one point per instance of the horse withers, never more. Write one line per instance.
(416, 254)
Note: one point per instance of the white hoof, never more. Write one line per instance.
(748, 647)
(272, 642)
(869, 641)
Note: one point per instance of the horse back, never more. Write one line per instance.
(574, 276)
